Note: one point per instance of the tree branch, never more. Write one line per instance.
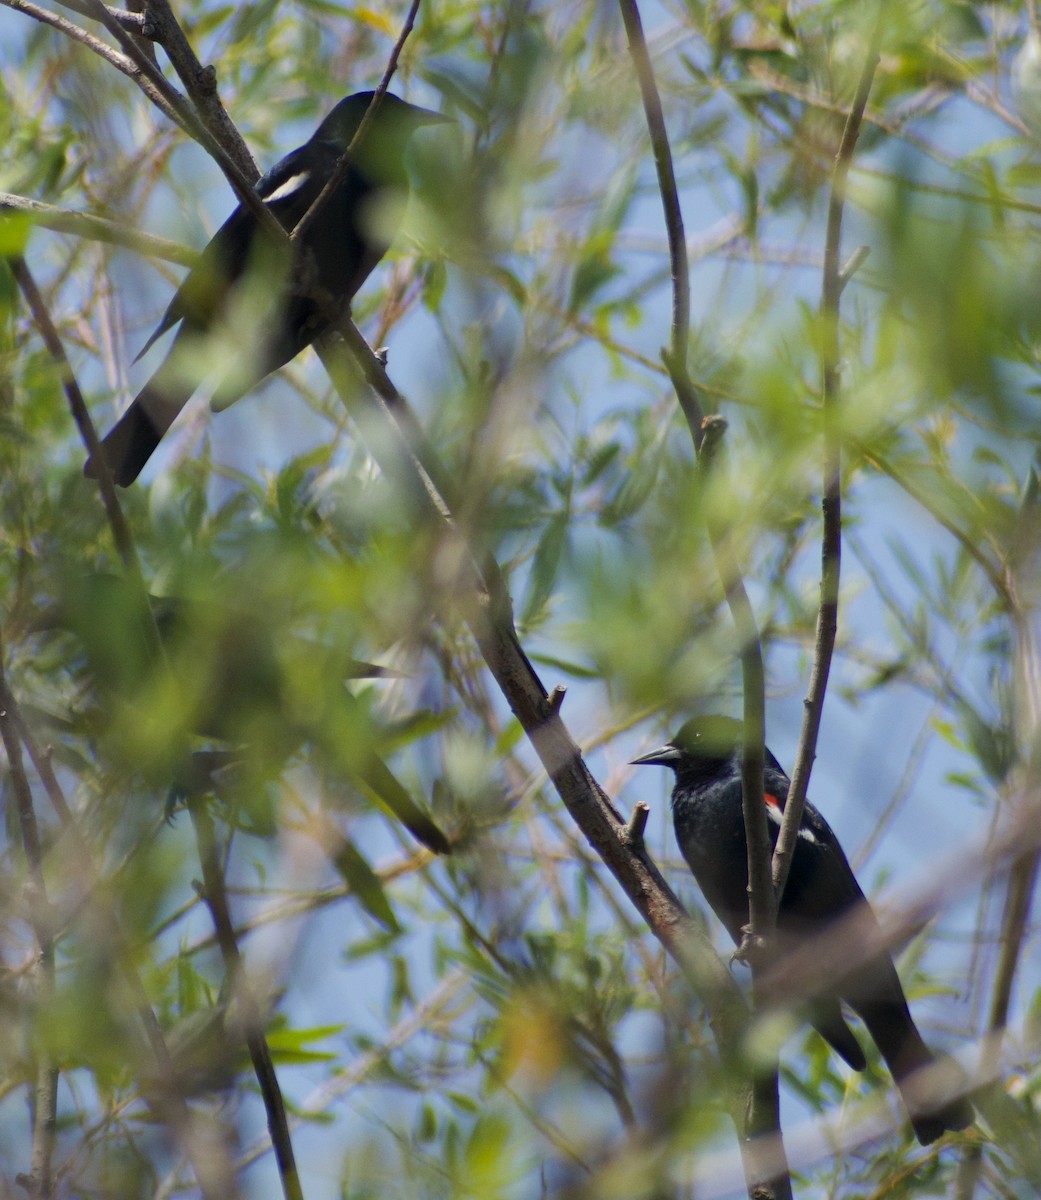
(489, 619)
(766, 1154)
(100, 229)
(215, 896)
(344, 163)
(122, 62)
(675, 358)
(81, 414)
(166, 1098)
(229, 153)
(762, 909)
(45, 1098)
(201, 85)
(133, 22)
(831, 504)
(766, 1171)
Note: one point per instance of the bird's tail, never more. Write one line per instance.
(130, 443)
(925, 1080)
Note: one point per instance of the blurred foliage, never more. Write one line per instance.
(497, 1022)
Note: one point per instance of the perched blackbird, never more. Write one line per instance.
(346, 241)
(821, 888)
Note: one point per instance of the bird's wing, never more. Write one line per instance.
(203, 290)
(821, 883)
(292, 185)
(288, 189)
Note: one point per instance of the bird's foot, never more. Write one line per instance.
(752, 949)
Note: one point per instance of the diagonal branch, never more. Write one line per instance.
(132, 22)
(228, 151)
(200, 83)
(487, 613)
(344, 164)
(122, 62)
(81, 414)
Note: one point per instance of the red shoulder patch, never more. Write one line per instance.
(772, 801)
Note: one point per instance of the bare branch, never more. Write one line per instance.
(831, 504)
(122, 62)
(675, 358)
(45, 1101)
(216, 897)
(762, 1123)
(344, 164)
(132, 22)
(762, 908)
(201, 85)
(486, 610)
(766, 1166)
(241, 177)
(81, 414)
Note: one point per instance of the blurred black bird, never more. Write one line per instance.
(821, 889)
(351, 234)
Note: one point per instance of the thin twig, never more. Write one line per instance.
(45, 1097)
(216, 898)
(132, 22)
(831, 503)
(344, 164)
(765, 1175)
(761, 903)
(167, 1100)
(416, 1022)
(242, 175)
(201, 85)
(675, 358)
(81, 414)
(766, 1166)
(919, 494)
(121, 62)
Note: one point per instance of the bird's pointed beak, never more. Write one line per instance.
(427, 116)
(663, 756)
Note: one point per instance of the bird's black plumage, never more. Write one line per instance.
(344, 243)
(821, 889)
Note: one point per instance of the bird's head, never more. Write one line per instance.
(393, 123)
(702, 741)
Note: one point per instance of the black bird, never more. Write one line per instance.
(821, 888)
(350, 235)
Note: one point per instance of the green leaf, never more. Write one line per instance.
(546, 565)
(289, 1047)
(15, 228)
(365, 885)
(435, 281)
